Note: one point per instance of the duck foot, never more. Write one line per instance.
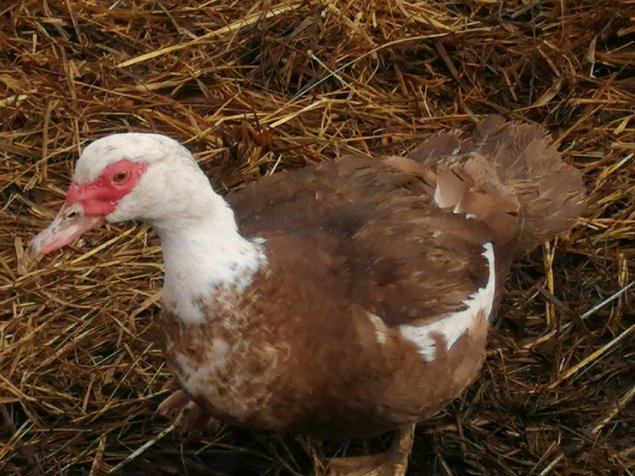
(392, 463)
(186, 415)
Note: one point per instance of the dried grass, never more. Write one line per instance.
(255, 86)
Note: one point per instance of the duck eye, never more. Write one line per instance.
(120, 177)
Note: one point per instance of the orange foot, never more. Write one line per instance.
(186, 415)
(392, 463)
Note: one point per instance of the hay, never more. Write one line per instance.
(258, 86)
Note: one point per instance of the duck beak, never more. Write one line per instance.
(70, 222)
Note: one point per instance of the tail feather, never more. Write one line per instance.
(508, 175)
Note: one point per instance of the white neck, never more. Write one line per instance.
(203, 255)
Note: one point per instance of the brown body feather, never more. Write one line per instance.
(358, 245)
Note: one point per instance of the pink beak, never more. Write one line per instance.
(69, 223)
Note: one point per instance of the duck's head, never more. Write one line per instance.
(130, 176)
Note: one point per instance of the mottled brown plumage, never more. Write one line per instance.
(358, 236)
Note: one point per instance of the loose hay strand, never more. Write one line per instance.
(169, 429)
(234, 27)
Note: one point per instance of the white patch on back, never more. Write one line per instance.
(454, 325)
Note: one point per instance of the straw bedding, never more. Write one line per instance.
(254, 87)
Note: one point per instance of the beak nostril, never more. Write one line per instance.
(71, 215)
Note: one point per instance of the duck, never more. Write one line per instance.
(344, 299)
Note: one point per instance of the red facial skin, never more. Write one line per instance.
(88, 205)
(101, 196)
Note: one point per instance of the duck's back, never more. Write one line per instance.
(407, 234)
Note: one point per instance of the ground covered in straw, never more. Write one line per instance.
(258, 86)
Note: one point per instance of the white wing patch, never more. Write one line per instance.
(452, 326)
